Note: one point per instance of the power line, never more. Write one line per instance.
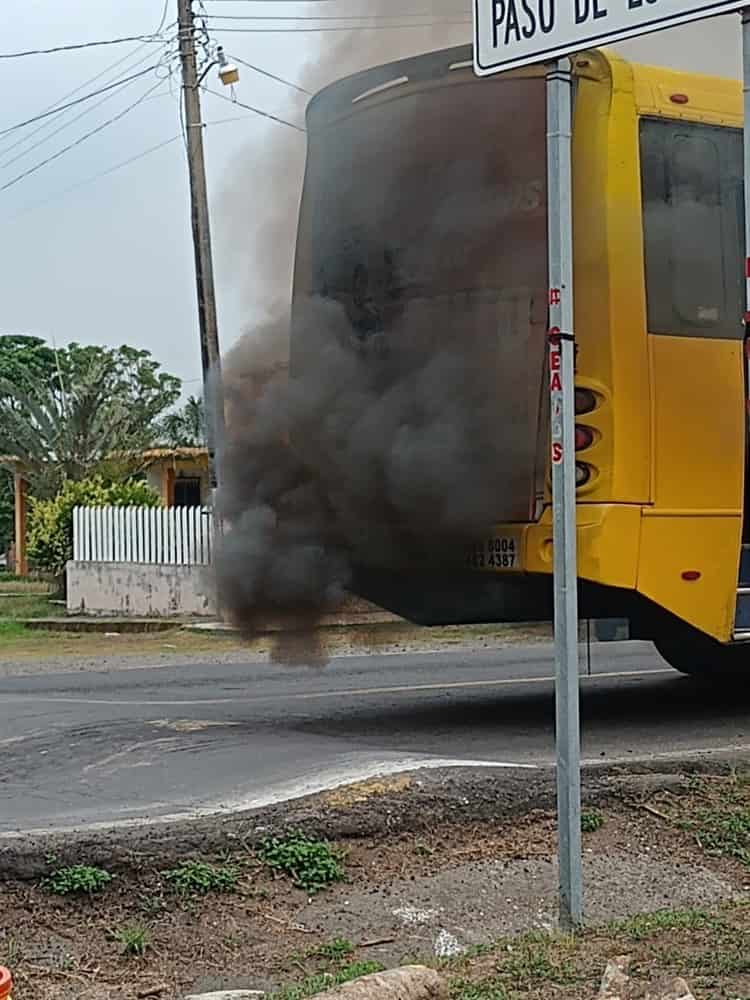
(115, 167)
(265, 72)
(249, 107)
(61, 128)
(55, 106)
(349, 28)
(96, 177)
(80, 139)
(78, 45)
(328, 17)
(79, 100)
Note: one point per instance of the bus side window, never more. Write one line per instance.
(693, 234)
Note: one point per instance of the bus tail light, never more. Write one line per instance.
(584, 437)
(583, 474)
(585, 401)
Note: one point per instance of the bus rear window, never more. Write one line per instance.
(693, 232)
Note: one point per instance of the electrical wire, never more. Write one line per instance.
(249, 107)
(55, 106)
(61, 128)
(163, 17)
(78, 45)
(79, 100)
(350, 28)
(265, 72)
(80, 139)
(95, 177)
(115, 167)
(328, 17)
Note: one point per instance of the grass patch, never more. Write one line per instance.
(133, 940)
(311, 864)
(539, 958)
(197, 878)
(724, 832)
(11, 629)
(13, 607)
(489, 988)
(333, 951)
(76, 880)
(591, 822)
(647, 925)
(321, 981)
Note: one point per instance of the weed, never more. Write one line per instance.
(198, 878)
(312, 864)
(591, 822)
(150, 905)
(76, 880)
(484, 989)
(326, 981)
(646, 925)
(423, 850)
(539, 957)
(725, 833)
(134, 940)
(10, 952)
(333, 951)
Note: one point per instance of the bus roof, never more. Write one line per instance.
(709, 99)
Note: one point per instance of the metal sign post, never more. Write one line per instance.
(562, 411)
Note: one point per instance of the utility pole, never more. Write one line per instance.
(204, 271)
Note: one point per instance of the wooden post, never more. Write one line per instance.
(22, 566)
(169, 486)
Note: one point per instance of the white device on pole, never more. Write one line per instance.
(513, 33)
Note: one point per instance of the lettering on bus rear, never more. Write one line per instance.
(500, 553)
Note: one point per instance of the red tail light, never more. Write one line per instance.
(584, 437)
(585, 401)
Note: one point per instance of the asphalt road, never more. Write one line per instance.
(89, 748)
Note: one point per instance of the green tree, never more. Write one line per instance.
(51, 521)
(96, 414)
(25, 360)
(186, 427)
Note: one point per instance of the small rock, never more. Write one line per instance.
(412, 982)
(674, 988)
(447, 946)
(615, 980)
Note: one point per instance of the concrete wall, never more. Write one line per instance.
(139, 590)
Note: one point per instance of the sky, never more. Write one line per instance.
(105, 256)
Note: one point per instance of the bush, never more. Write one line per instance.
(312, 864)
(199, 878)
(50, 533)
(77, 880)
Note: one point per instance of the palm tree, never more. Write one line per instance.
(186, 428)
(62, 432)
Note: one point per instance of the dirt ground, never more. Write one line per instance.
(667, 881)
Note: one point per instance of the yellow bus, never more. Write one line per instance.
(659, 323)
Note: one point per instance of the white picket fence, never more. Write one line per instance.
(176, 536)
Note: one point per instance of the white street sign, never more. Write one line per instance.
(513, 33)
